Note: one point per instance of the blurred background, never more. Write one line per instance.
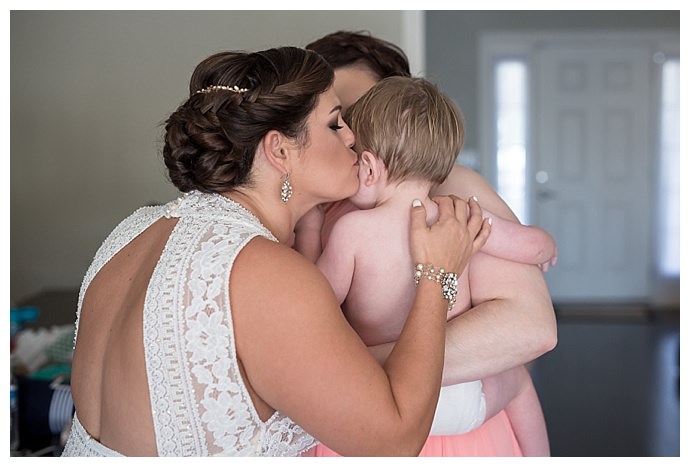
(572, 115)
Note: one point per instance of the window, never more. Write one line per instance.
(511, 135)
(669, 172)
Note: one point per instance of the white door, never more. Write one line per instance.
(592, 165)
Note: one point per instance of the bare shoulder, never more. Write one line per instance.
(356, 224)
(465, 183)
(286, 318)
(356, 218)
(461, 182)
(274, 294)
(272, 285)
(264, 260)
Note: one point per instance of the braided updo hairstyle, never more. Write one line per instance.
(211, 139)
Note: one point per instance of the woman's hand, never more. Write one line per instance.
(450, 242)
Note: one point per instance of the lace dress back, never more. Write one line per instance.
(200, 404)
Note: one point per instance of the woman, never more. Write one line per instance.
(492, 337)
(200, 332)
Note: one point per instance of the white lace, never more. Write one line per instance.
(200, 404)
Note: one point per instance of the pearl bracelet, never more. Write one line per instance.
(447, 280)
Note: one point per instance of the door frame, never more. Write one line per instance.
(413, 40)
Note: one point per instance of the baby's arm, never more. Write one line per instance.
(525, 244)
(337, 261)
(307, 237)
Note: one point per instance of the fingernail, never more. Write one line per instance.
(416, 203)
(489, 220)
(475, 198)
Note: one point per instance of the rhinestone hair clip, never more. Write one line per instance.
(220, 87)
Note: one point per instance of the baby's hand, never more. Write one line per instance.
(550, 263)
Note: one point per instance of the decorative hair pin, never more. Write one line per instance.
(220, 87)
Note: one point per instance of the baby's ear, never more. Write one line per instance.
(373, 167)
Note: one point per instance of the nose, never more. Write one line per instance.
(348, 136)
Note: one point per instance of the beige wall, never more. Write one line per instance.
(89, 91)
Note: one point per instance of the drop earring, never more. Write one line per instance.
(286, 189)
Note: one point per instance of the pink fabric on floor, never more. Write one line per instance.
(495, 438)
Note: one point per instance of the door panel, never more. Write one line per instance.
(591, 134)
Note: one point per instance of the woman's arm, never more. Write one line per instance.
(512, 321)
(513, 327)
(303, 359)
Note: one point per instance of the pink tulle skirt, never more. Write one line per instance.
(495, 438)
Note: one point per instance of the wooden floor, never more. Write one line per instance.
(612, 385)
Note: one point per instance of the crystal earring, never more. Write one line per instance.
(286, 189)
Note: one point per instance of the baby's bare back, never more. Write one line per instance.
(383, 287)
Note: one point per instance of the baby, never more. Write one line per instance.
(408, 137)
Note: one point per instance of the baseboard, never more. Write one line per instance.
(616, 311)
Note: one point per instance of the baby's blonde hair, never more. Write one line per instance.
(415, 129)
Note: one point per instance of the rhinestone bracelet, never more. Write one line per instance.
(447, 280)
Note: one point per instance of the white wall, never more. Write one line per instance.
(89, 91)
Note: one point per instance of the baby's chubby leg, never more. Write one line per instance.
(514, 391)
(502, 388)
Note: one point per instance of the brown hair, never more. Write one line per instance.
(211, 139)
(344, 48)
(415, 129)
